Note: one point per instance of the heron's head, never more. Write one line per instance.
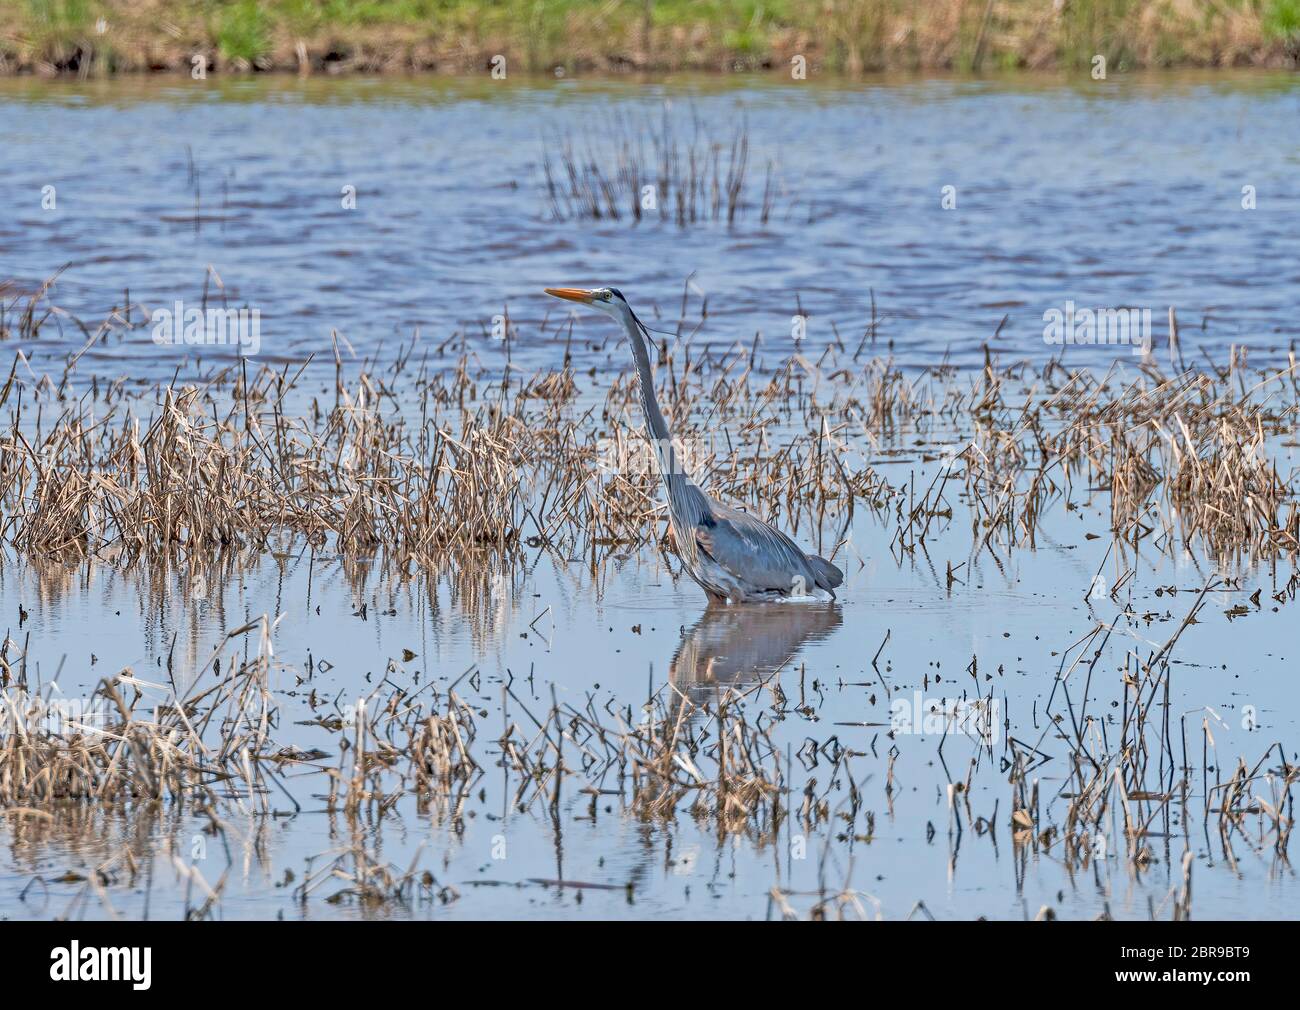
(611, 302)
(608, 300)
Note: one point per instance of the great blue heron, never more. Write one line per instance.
(731, 554)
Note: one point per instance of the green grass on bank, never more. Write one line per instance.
(108, 36)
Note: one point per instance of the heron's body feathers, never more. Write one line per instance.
(735, 555)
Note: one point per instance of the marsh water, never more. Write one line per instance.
(1150, 192)
(1108, 193)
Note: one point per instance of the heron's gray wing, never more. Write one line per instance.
(754, 551)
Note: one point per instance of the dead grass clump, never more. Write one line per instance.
(485, 467)
(113, 750)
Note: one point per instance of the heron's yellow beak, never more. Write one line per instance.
(572, 294)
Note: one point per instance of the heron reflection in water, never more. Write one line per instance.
(742, 644)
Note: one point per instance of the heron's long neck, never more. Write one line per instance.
(670, 465)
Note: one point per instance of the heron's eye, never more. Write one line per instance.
(608, 296)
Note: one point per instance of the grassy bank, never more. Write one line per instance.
(99, 37)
